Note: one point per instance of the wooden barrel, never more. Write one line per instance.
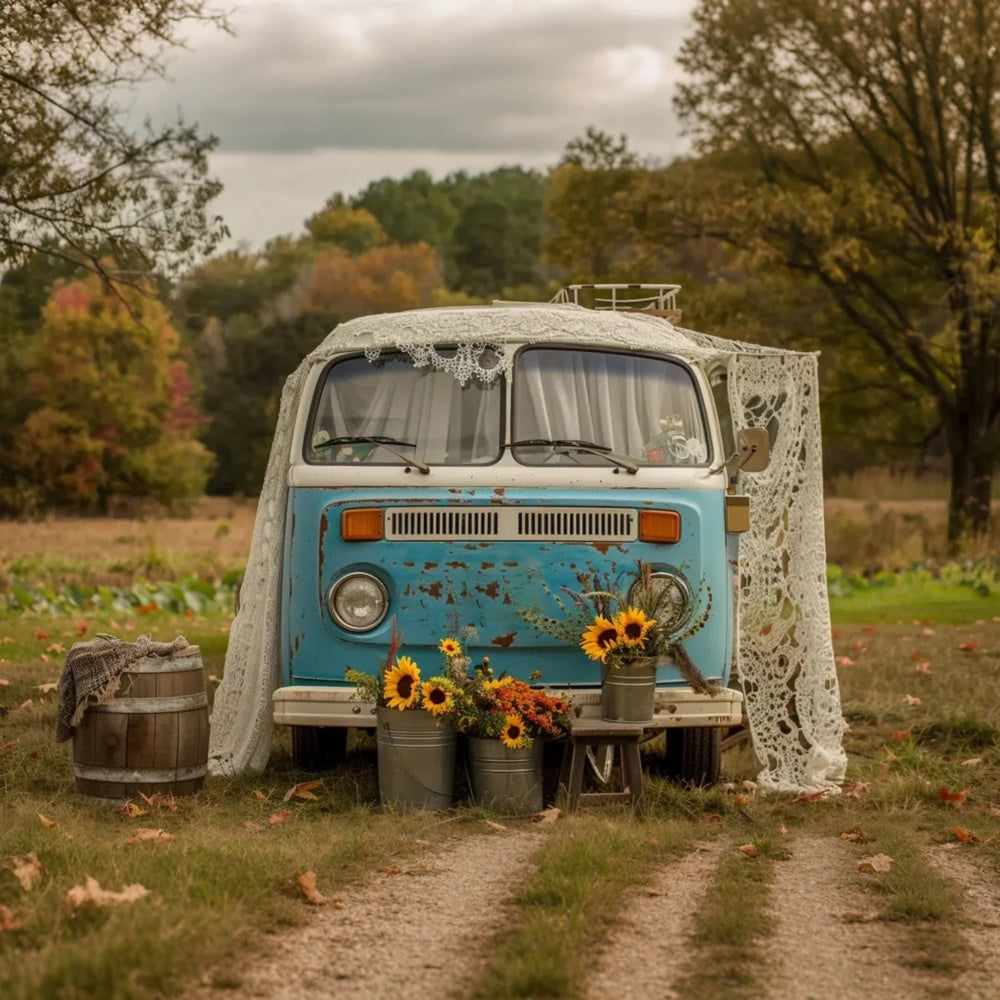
(151, 737)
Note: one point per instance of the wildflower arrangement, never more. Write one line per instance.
(617, 629)
(510, 710)
(399, 684)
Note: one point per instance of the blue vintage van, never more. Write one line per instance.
(449, 469)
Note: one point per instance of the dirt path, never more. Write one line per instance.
(981, 912)
(417, 930)
(826, 941)
(643, 955)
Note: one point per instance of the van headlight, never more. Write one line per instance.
(674, 602)
(358, 602)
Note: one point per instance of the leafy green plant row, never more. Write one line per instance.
(980, 576)
(178, 596)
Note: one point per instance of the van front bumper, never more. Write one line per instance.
(304, 705)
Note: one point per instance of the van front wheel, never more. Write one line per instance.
(694, 755)
(318, 748)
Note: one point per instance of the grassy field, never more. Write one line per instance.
(919, 669)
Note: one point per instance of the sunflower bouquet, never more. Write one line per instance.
(510, 710)
(617, 629)
(399, 683)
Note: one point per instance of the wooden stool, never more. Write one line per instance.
(586, 733)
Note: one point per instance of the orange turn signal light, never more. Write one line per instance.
(363, 524)
(659, 526)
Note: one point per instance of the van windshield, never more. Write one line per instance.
(641, 407)
(420, 413)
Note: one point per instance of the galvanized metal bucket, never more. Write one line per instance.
(628, 691)
(416, 759)
(507, 780)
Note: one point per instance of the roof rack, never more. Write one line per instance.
(660, 299)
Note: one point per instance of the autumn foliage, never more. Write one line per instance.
(115, 416)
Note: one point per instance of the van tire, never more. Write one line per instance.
(694, 755)
(318, 748)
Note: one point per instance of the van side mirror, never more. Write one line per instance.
(754, 449)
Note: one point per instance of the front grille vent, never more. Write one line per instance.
(419, 522)
(552, 524)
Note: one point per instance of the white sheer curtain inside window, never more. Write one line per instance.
(447, 422)
(638, 406)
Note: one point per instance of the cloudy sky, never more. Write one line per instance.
(311, 97)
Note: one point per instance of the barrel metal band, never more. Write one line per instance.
(166, 664)
(138, 776)
(144, 706)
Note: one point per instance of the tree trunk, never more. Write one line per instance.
(972, 464)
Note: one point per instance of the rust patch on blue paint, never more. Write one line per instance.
(449, 599)
(490, 590)
(434, 590)
(510, 564)
(428, 565)
(457, 565)
(503, 641)
(487, 565)
(324, 527)
(506, 597)
(409, 565)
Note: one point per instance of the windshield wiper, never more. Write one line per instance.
(588, 446)
(382, 442)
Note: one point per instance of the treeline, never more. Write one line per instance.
(114, 394)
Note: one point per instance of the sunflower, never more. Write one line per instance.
(436, 698)
(402, 684)
(450, 647)
(600, 638)
(512, 735)
(499, 682)
(634, 626)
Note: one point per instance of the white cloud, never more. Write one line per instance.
(337, 89)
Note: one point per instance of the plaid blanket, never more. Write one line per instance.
(92, 673)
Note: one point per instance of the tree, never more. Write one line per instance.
(75, 180)
(413, 210)
(114, 413)
(860, 143)
(356, 230)
(580, 201)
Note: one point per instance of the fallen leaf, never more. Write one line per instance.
(56, 647)
(255, 827)
(146, 833)
(81, 628)
(279, 817)
(900, 735)
(740, 801)
(923, 667)
(912, 700)
(971, 762)
(859, 647)
(843, 661)
(750, 850)
(91, 892)
(495, 826)
(969, 646)
(7, 921)
(47, 687)
(856, 789)
(259, 795)
(868, 629)
(214, 679)
(714, 818)
(303, 790)
(927, 631)
(966, 836)
(4, 682)
(854, 835)
(869, 916)
(307, 883)
(811, 797)
(8, 641)
(28, 870)
(957, 798)
(132, 810)
(783, 830)
(40, 634)
(46, 822)
(25, 704)
(875, 863)
(548, 815)
(392, 870)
